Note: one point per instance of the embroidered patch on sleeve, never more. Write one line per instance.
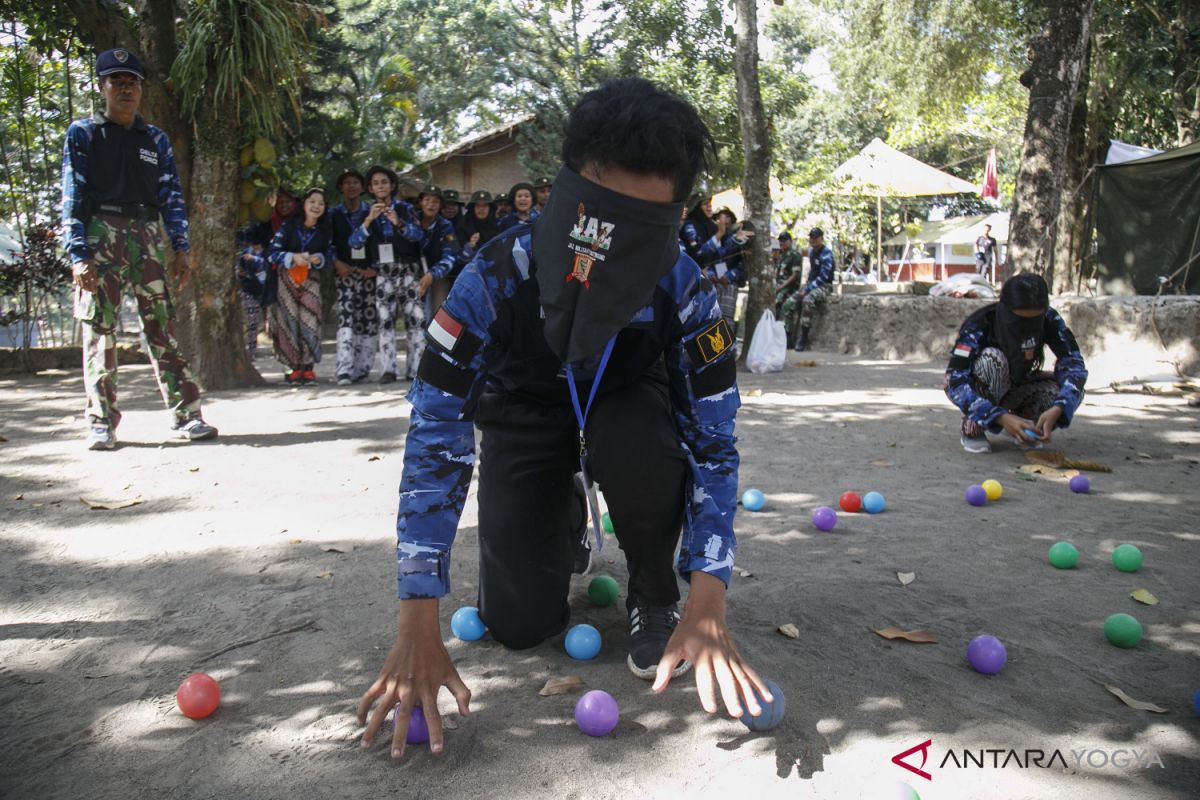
(711, 343)
(962, 350)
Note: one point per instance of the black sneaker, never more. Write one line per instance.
(581, 538)
(387, 377)
(650, 628)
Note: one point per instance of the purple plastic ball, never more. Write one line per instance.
(597, 713)
(1080, 484)
(418, 730)
(825, 518)
(976, 495)
(986, 654)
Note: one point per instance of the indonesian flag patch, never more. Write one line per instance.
(445, 330)
(962, 350)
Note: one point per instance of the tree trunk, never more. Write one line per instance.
(1053, 79)
(1068, 248)
(756, 147)
(219, 357)
(1185, 93)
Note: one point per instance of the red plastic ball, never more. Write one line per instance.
(850, 502)
(198, 696)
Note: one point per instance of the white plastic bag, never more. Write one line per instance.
(768, 348)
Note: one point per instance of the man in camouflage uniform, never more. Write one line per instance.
(600, 305)
(119, 176)
(789, 269)
(815, 291)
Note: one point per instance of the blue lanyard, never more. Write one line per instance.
(581, 414)
(305, 240)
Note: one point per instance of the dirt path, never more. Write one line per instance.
(265, 559)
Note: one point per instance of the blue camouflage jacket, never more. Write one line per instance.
(405, 237)
(712, 249)
(76, 191)
(820, 268)
(975, 335)
(439, 245)
(464, 355)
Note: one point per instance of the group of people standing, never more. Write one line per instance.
(394, 261)
(716, 241)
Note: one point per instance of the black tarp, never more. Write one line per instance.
(1146, 215)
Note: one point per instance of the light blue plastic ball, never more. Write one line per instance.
(753, 500)
(582, 642)
(772, 713)
(873, 502)
(466, 624)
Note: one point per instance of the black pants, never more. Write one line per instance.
(528, 508)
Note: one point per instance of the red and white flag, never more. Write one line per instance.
(445, 330)
(990, 187)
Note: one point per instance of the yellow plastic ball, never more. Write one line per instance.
(993, 488)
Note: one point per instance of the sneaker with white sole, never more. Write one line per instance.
(194, 430)
(975, 444)
(650, 628)
(100, 437)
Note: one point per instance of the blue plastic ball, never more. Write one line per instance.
(582, 642)
(772, 713)
(753, 500)
(1196, 702)
(975, 494)
(466, 624)
(873, 502)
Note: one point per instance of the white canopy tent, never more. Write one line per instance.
(883, 171)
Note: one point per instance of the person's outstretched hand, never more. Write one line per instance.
(704, 639)
(416, 669)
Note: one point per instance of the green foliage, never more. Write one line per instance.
(245, 55)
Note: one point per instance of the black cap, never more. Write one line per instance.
(350, 173)
(110, 62)
(502, 198)
(815, 232)
(481, 196)
(450, 196)
(538, 183)
(785, 235)
(431, 189)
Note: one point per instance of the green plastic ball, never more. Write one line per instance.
(606, 523)
(1123, 630)
(1064, 555)
(1127, 558)
(603, 591)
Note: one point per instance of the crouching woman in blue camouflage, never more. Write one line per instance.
(119, 177)
(995, 374)
(585, 342)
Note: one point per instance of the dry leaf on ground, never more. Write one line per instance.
(1057, 458)
(374, 458)
(561, 685)
(920, 637)
(754, 393)
(1144, 596)
(804, 362)
(906, 577)
(1140, 705)
(332, 550)
(110, 505)
(1048, 471)
(882, 464)
(789, 630)
(325, 575)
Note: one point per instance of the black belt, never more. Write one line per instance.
(132, 211)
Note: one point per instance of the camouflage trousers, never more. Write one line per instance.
(129, 253)
(809, 303)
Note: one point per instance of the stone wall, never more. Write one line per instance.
(1121, 337)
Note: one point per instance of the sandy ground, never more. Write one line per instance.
(266, 559)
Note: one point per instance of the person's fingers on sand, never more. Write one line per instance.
(387, 698)
(400, 730)
(704, 685)
(748, 681)
(433, 722)
(729, 692)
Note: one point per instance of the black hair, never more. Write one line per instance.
(633, 124)
(350, 173)
(1026, 290)
(375, 170)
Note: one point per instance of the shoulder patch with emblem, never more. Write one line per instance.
(708, 346)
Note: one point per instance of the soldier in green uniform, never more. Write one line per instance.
(119, 177)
